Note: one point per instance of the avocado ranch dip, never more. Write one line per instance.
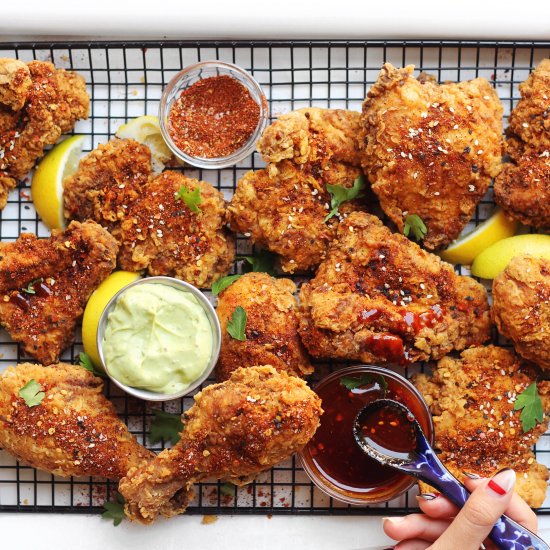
(157, 338)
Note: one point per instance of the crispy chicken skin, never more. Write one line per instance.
(476, 427)
(271, 326)
(521, 307)
(75, 431)
(380, 297)
(53, 101)
(161, 234)
(283, 207)
(431, 149)
(45, 284)
(235, 430)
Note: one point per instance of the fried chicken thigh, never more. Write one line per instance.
(431, 149)
(380, 297)
(521, 307)
(235, 430)
(38, 103)
(74, 431)
(45, 284)
(271, 326)
(476, 427)
(283, 207)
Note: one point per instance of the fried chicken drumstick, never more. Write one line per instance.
(235, 430)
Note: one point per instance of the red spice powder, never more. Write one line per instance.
(213, 117)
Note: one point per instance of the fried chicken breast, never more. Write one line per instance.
(521, 307)
(49, 101)
(284, 206)
(235, 430)
(431, 149)
(74, 431)
(271, 326)
(380, 297)
(45, 284)
(476, 427)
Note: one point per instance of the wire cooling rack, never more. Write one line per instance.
(125, 80)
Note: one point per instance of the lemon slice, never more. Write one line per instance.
(496, 257)
(95, 306)
(47, 181)
(466, 248)
(146, 129)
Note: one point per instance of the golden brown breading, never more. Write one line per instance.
(55, 100)
(430, 149)
(521, 307)
(107, 180)
(45, 284)
(283, 207)
(380, 297)
(476, 427)
(271, 326)
(15, 81)
(235, 430)
(75, 431)
(161, 234)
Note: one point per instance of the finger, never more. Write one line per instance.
(476, 519)
(437, 506)
(415, 526)
(413, 545)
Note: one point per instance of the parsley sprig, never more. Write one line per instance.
(114, 510)
(529, 400)
(165, 426)
(221, 284)
(32, 393)
(414, 223)
(191, 198)
(85, 361)
(342, 194)
(263, 261)
(237, 324)
(354, 382)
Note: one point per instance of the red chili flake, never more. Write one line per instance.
(213, 118)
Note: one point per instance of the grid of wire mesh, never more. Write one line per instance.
(125, 80)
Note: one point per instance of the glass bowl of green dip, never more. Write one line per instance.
(159, 338)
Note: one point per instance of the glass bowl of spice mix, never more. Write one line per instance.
(212, 114)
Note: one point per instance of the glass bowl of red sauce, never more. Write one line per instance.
(332, 458)
(212, 114)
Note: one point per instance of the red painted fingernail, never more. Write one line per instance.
(502, 482)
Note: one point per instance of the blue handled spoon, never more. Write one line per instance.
(422, 463)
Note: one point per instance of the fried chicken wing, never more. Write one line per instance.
(521, 307)
(271, 326)
(54, 100)
(235, 430)
(283, 207)
(45, 284)
(476, 427)
(74, 431)
(431, 149)
(380, 297)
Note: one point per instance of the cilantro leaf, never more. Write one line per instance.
(263, 261)
(114, 510)
(85, 362)
(353, 382)
(228, 489)
(191, 198)
(32, 393)
(342, 194)
(418, 227)
(529, 400)
(237, 324)
(165, 426)
(221, 284)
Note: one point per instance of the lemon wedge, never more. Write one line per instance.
(493, 229)
(47, 181)
(146, 130)
(496, 257)
(95, 306)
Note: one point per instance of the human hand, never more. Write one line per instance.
(444, 526)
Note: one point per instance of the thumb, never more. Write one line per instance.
(476, 519)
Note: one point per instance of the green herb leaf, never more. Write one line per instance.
(529, 400)
(228, 489)
(32, 393)
(353, 382)
(262, 262)
(30, 287)
(191, 198)
(85, 362)
(237, 324)
(114, 510)
(415, 223)
(342, 194)
(221, 284)
(165, 426)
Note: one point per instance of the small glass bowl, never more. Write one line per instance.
(399, 388)
(186, 78)
(212, 318)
